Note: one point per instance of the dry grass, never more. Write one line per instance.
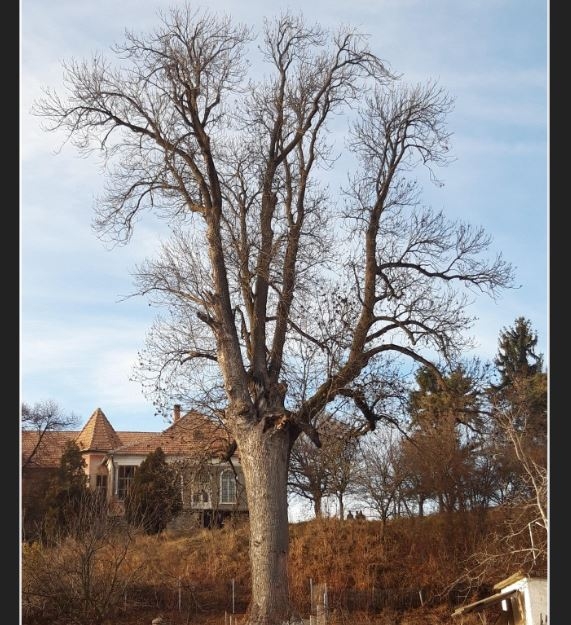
(398, 574)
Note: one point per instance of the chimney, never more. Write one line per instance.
(176, 413)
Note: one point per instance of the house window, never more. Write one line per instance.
(101, 483)
(125, 475)
(201, 488)
(227, 486)
(200, 496)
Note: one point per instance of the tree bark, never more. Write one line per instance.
(341, 507)
(264, 457)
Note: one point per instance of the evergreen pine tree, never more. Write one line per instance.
(67, 494)
(519, 408)
(516, 353)
(154, 498)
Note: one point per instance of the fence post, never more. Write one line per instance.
(310, 601)
(321, 604)
(233, 597)
(311, 593)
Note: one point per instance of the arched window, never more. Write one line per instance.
(227, 486)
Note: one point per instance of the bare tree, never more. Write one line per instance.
(342, 444)
(518, 412)
(42, 425)
(42, 417)
(330, 470)
(520, 539)
(518, 424)
(381, 478)
(266, 268)
(308, 473)
(82, 576)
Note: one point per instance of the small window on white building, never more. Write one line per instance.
(227, 486)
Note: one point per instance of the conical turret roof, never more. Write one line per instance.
(98, 434)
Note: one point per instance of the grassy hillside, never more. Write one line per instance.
(407, 572)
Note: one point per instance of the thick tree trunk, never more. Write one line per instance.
(341, 507)
(264, 457)
(317, 507)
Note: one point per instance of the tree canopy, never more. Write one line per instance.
(282, 295)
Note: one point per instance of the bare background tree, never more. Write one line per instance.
(309, 473)
(328, 471)
(512, 462)
(520, 541)
(381, 479)
(342, 444)
(80, 579)
(44, 421)
(268, 267)
(42, 417)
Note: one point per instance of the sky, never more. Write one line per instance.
(80, 334)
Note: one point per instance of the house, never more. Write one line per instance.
(211, 478)
(519, 600)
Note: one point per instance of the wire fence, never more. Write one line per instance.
(321, 604)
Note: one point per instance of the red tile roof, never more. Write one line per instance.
(47, 451)
(192, 433)
(98, 434)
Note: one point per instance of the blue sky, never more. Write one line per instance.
(79, 337)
